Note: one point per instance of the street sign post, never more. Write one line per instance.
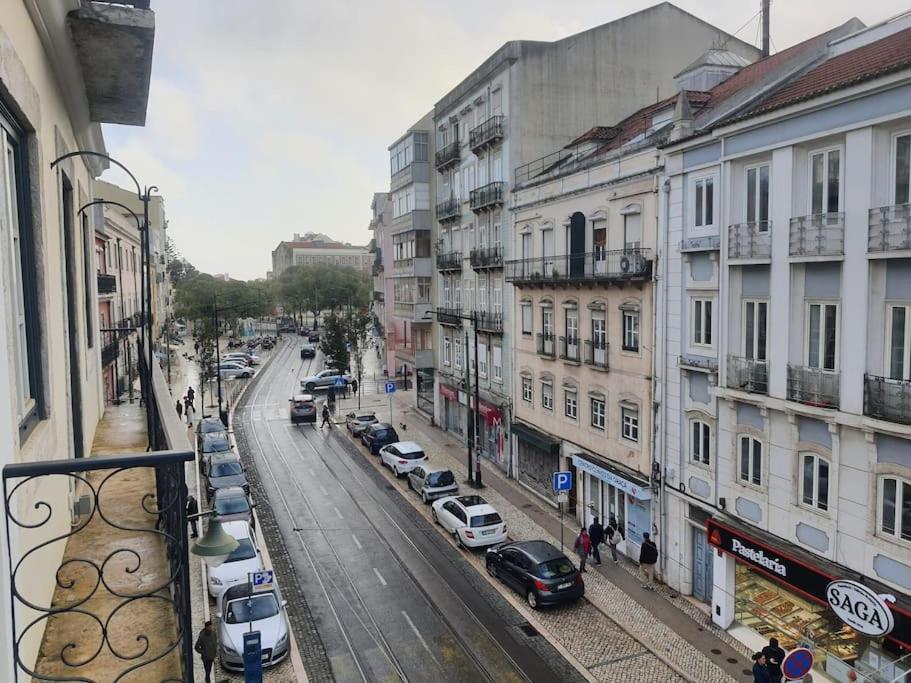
(262, 581)
(797, 664)
(339, 381)
(253, 657)
(389, 388)
(563, 483)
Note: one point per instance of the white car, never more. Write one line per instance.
(472, 522)
(245, 358)
(229, 370)
(323, 380)
(402, 457)
(245, 559)
(237, 611)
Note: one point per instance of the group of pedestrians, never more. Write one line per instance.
(185, 405)
(589, 540)
(767, 663)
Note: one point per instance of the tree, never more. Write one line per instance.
(178, 267)
(334, 338)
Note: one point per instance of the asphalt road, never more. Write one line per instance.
(383, 596)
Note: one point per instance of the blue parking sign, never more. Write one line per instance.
(339, 381)
(563, 481)
(390, 387)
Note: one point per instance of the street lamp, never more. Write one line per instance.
(216, 544)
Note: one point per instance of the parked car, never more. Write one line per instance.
(225, 470)
(538, 570)
(248, 358)
(213, 443)
(238, 611)
(236, 568)
(431, 484)
(308, 350)
(358, 422)
(232, 504)
(323, 379)
(208, 425)
(471, 520)
(268, 343)
(402, 457)
(302, 409)
(313, 337)
(228, 370)
(377, 435)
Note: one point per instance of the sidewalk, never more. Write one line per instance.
(672, 627)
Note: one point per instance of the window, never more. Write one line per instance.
(630, 330)
(598, 413)
(570, 404)
(498, 363)
(899, 340)
(758, 196)
(825, 181)
(701, 441)
(755, 321)
(903, 169)
(447, 350)
(88, 274)
(814, 481)
(526, 389)
(702, 322)
(895, 507)
(750, 460)
(526, 318)
(482, 359)
(822, 336)
(547, 322)
(632, 231)
(629, 423)
(547, 396)
(705, 203)
(458, 354)
(572, 326)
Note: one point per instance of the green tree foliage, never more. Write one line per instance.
(334, 338)
(178, 267)
(319, 288)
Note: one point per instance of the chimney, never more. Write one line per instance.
(765, 27)
(683, 117)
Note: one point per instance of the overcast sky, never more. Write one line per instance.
(272, 117)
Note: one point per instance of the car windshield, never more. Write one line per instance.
(226, 469)
(232, 505)
(440, 479)
(253, 608)
(216, 443)
(413, 455)
(243, 551)
(383, 434)
(365, 418)
(485, 520)
(209, 426)
(554, 569)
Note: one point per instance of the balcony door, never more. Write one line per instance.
(599, 246)
(899, 342)
(599, 338)
(576, 245)
(572, 333)
(72, 310)
(822, 336)
(547, 251)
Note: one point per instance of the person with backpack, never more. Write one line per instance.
(648, 558)
(613, 536)
(774, 656)
(582, 546)
(596, 536)
(326, 416)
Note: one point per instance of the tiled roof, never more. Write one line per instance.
(596, 133)
(639, 122)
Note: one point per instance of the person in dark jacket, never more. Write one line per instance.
(648, 558)
(326, 416)
(760, 670)
(179, 408)
(774, 656)
(192, 509)
(191, 397)
(354, 387)
(596, 536)
(207, 647)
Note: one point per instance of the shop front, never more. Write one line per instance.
(768, 588)
(492, 438)
(613, 493)
(453, 412)
(537, 458)
(425, 390)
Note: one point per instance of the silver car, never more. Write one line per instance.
(238, 611)
(431, 483)
(231, 504)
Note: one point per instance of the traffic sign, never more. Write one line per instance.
(563, 497)
(390, 387)
(797, 663)
(563, 481)
(262, 581)
(339, 381)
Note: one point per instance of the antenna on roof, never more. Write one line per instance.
(766, 37)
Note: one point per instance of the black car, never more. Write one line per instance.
(225, 470)
(207, 425)
(538, 570)
(308, 350)
(378, 435)
(313, 337)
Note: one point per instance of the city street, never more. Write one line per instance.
(388, 596)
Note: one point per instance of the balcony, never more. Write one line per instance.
(887, 399)
(449, 316)
(379, 296)
(889, 231)
(700, 363)
(619, 266)
(448, 156)
(107, 284)
(704, 243)
(596, 354)
(419, 266)
(746, 374)
(449, 261)
(817, 237)
(487, 257)
(488, 321)
(487, 197)
(487, 134)
(376, 268)
(547, 345)
(414, 311)
(109, 353)
(449, 210)
(750, 241)
(569, 349)
(418, 358)
(813, 386)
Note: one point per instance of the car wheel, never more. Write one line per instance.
(245, 375)
(433, 516)
(408, 481)
(532, 599)
(310, 386)
(423, 494)
(492, 569)
(458, 539)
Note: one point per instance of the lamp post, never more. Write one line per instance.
(216, 544)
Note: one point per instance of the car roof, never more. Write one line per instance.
(408, 447)
(376, 426)
(238, 529)
(539, 551)
(224, 456)
(242, 590)
(211, 420)
(303, 397)
(474, 504)
(429, 469)
(230, 492)
(212, 436)
(358, 415)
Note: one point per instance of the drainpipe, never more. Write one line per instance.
(662, 364)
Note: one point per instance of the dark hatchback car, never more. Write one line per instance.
(378, 435)
(207, 425)
(302, 408)
(225, 470)
(538, 570)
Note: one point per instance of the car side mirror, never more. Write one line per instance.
(284, 603)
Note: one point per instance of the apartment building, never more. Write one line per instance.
(382, 302)
(61, 78)
(315, 249)
(788, 470)
(410, 336)
(526, 100)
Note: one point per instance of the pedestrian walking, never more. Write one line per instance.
(179, 408)
(596, 536)
(612, 534)
(774, 656)
(326, 415)
(760, 670)
(582, 546)
(188, 410)
(648, 558)
(207, 647)
(192, 509)
(354, 387)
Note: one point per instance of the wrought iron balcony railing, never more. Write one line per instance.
(448, 156)
(596, 354)
(887, 399)
(486, 134)
(379, 296)
(704, 243)
(109, 352)
(107, 284)
(746, 374)
(449, 210)
(821, 234)
(889, 229)
(710, 364)
(487, 257)
(377, 268)
(487, 196)
(569, 349)
(750, 241)
(813, 386)
(488, 321)
(547, 345)
(604, 266)
(451, 260)
(449, 316)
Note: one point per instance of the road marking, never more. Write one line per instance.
(357, 542)
(340, 516)
(311, 472)
(379, 576)
(416, 632)
(323, 490)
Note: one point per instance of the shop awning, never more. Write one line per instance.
(536, 438)
(618, 477)
(448, 392)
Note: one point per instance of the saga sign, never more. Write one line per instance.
(861, 608)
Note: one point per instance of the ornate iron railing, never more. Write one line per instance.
(449, 316)
(606, 266)
(889, 228)
(449, 209)
(596, 354)
(821, 234)
(813, 386)
(750, 241)
(487, 196)
(747, 374)
(486, 133)
(488, 321)
(107, 284)
(887, 399)
(487, 257)
(451, 260)
(546, 345)
(569, 349)
(447, 156)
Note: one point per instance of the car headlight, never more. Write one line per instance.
(230, 650)
(283, 639)
(215, 581)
